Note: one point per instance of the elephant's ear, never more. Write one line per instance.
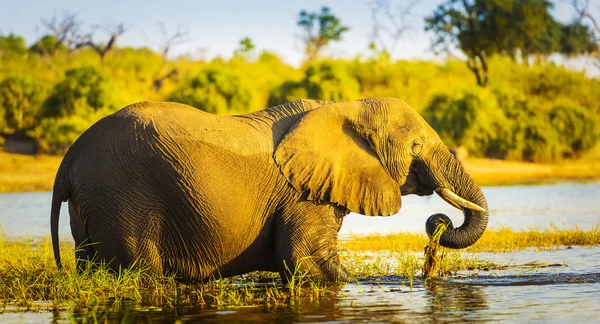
(324, 156)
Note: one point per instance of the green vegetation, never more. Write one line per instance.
(530, 110)
(319, 29)
(30, 280)
(483, 28)
(503, 240)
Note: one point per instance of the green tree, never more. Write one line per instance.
(315, 37)
(47, 45)
(464, 24)
(21, 100)
(246, 45)
(577, 38)
(84, 90)
(12, 44)
(216, 89)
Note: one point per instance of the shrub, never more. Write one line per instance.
(56, 134)
(218, 90)
(325, 80)
(575, 125)
(83, 91)
(12, 44)
(471, 119)
(331, 81)
(20, 102)
(288, 91)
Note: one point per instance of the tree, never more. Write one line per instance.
(12, 44)
(389, 25)
(582, 9)
(462, 23)
(63, 30)
(84, 90)
(329, 29)
(169, 41)
(21, 100)
(47, 45)
(114, 32)
(577, 38)
(246, 45)
(482, 28)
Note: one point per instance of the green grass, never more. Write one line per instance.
(30, 281)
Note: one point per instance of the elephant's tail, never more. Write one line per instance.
(58, 196)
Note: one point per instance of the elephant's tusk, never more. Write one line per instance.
(454, 200)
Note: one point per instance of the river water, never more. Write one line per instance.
(566, 293)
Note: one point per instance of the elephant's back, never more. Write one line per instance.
(168, 113)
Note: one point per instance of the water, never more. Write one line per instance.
(555, 294)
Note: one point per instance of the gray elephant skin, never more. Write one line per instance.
(198, 196)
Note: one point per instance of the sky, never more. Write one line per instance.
(215, 27)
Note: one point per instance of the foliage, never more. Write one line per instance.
(12, 44)
(47, 45)
(548, 112)
(471, 119)
(577, 38)
(83, 90)
(20, 102)
(246, 45)
(483, 28)
(216, 89)
(329, 29)
(56, 134)
(505, 123)
(323, 80)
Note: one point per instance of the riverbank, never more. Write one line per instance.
(23, 173)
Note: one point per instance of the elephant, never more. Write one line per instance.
(198, 196)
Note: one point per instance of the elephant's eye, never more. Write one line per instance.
(417, 146)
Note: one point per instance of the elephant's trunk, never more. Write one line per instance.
(458, 189)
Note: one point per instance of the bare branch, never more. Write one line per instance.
(389, 25)
(582, 9)
(170, 41)
(114, 32)
(64, 29)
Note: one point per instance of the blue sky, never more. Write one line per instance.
(215, 27)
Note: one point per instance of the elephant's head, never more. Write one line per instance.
(364, 155)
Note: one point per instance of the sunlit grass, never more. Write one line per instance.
(493, 240)
(29, 279)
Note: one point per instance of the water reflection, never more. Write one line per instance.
(455, 302)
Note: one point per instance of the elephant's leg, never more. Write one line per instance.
(306, 242)
(83, 248)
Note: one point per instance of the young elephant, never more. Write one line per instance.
(199, 195)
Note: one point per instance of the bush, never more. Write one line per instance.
(20, 102)
(506, 123)
(325, 80)
(12, 44)
(216, 90)
(575, 125)
(471, 119)
(56, 134)
(288, 91)
(83, 91)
